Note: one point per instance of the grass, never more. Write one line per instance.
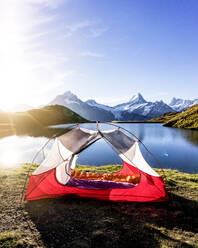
(186, 119)
(91, 223)
(100, 169)
(163, 118)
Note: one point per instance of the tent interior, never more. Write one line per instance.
(80, 139)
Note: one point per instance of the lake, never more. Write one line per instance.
(174, 148)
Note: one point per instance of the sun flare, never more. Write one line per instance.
(9, 158)
(15, 73)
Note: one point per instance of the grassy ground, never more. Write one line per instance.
(164, 118)
(186, 119)
(90, 223)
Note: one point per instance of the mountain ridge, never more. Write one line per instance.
(136, 109)
(71, 101)
(179, 104)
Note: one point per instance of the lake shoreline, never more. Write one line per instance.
(171, 146)
(149, 122)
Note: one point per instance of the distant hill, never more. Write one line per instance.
(37, 118)
(164, 118)
(53, 115)
(185, 119)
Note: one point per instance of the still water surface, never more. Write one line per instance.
(174, 148)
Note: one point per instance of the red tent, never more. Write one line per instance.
(53, 177)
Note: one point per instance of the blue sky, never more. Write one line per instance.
(103, 49)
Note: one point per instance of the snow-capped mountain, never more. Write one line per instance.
(116, 112)
(147, 111)
(140, 109)
(93, 103)
(135, 102)
(179, 104)
(67, 98)
(138, 98)
(137, 108)
(90, 112)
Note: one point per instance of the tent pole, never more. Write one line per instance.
(33, 160)
(156, 160)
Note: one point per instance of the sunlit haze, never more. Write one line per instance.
(106, 50)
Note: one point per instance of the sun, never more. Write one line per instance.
(9, 159)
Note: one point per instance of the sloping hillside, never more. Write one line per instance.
(51, 115)
(185, 119)
(37, 119)
(164, 118)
